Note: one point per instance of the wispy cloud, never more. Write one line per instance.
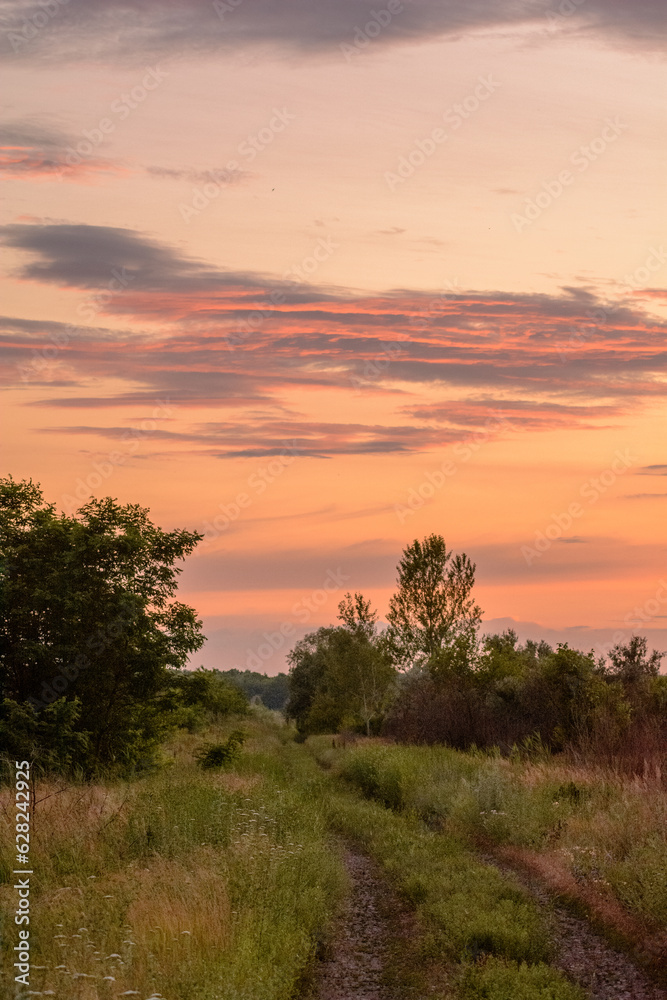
(474, 354)
(42, 151)
(149, 28)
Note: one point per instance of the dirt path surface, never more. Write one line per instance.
(357, 959)
(358, 963)
(583, 955)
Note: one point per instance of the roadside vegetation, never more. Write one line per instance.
(477, 923)
(604, 830)
(186, 844)
(192, 884)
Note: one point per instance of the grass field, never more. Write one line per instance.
(608, 832)
(191, 884)
(195, 884)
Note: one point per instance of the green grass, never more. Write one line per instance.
(492, 936)
(197, 885)
(609, 832)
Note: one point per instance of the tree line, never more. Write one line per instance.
(429, 677)
(94, 645)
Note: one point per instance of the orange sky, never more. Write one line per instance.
(316, 297)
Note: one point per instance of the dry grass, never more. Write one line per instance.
(197, 886)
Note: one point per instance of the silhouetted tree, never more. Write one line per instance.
(88, 619)
(433, 616)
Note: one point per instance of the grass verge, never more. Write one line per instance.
(603, 836)
(191, 884)
(484, 927)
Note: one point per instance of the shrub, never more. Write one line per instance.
(212, 755)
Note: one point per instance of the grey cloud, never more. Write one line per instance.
(31, 147)
(653, 470)
(82, 256)
(141, 29)
(214, 175)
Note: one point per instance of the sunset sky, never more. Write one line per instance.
(319, 277)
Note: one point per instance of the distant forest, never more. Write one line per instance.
(95, 651)
(273, 692)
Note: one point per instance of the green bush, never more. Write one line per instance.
(212, 755)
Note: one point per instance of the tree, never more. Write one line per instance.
(632, 663)
(340, 676)
(88, 618)
(432, 611)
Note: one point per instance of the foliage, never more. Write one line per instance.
(513, 694)
(212, 755)
(471, 915)
(199, 697)
(340, 677)
(188, 884)
(433, 610)
(608, 832)
(272, 691)
(89, 617)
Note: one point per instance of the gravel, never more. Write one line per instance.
(358, 953)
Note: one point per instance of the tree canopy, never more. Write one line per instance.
(89, 625)
(433, 610)
(340, 675)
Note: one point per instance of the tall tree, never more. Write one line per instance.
(433, 614)
(340, 676)
(88, 618)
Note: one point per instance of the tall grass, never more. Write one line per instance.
(608, 831)
(193, 885)
(476, 921)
